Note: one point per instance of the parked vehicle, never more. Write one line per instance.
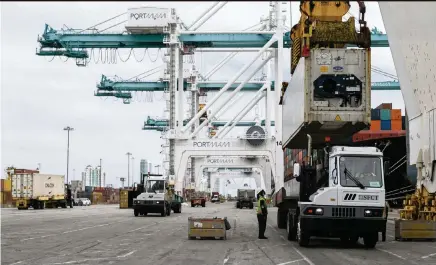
(85, 202)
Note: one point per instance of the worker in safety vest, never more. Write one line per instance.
(262, 213)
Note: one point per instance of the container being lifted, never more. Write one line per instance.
(40, 191)
(328, 96)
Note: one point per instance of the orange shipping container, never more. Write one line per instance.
(375, 125)
(396, 125)
(5, 185)
(396, 114)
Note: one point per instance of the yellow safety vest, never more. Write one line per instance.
(259, 210)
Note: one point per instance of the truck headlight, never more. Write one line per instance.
(373, 212)
(314, 211)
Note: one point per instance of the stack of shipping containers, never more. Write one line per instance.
(384, 118)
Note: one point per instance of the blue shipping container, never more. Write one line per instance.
(385, 115)
(375, 114)
(385, 125)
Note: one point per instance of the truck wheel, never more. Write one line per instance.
(251, 205)
(302, 237)
(136, 213)
(370, 240)
(203, 204)
(281, 219)
(238, 205)
(168, 211)
(192, 205)
(42, 205)
(291, 228)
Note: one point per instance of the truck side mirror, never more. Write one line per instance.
(297, 171)
(386, 166)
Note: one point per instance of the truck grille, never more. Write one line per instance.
(343, 212)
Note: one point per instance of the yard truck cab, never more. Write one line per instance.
(341, 195)
(157, 197)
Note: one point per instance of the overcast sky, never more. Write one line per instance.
(39, 98)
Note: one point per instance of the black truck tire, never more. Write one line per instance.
(302, 236)
(178, 208)
(251, 205)
(135, 213)
(291, 228)
(370, 240)
(238, 204)
(281, 219)
(168, 210)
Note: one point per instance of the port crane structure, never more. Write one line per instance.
(416, 88)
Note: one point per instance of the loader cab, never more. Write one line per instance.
(353, 175)
(357, 175)
(155, 185)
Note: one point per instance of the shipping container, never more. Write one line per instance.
(313, 104)
(396, 125)
(385, 114)
(6, 198)
(385, 106)
(375, 114)
(124, 199)
(6, 185)
(385, 125)
(375, 125)
(97, 197)
(396, 114)
(33, 186)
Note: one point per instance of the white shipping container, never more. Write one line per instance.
(149, 18)
(321, 97)
(32, 186)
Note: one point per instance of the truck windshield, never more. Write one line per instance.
(365, 169)
(157, 186)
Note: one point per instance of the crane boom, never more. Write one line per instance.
(413, 48)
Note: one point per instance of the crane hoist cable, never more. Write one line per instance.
(134, 55)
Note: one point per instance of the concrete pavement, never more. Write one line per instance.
(109, 235)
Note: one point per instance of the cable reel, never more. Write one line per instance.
(255, 135)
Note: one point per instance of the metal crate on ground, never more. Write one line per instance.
(206, 228)
(414, 229)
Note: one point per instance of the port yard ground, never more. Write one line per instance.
(107, 235)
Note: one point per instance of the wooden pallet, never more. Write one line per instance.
(206, 228)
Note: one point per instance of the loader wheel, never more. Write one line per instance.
(370, 240)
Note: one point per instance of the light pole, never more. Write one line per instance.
(158, 166)
(128, 168)
(133, 170)
(68, 129)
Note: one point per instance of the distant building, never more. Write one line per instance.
(91, 177)
(143, 166)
